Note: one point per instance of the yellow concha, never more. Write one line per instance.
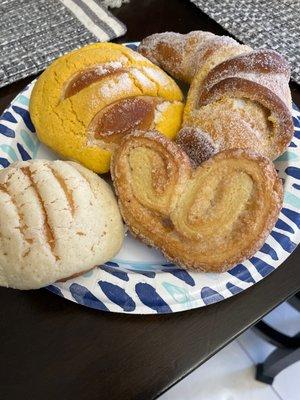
(85, 100)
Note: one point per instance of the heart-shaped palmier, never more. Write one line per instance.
(209, 218)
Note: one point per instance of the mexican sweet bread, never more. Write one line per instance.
(86, 100)
(57, 220)
(208, 218)
(238, 96)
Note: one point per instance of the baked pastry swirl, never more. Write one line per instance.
(244, 102)
(240, 97)
(209, 218)
(182, 55)
(57, 220)
(87, 100)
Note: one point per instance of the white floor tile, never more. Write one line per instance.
(229, 375)
(285, 319)
(257, 348)
(287, 383)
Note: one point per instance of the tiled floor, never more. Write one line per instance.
(229, 375)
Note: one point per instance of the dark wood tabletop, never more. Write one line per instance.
(51, 348)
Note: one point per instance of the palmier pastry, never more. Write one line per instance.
(88, 99)
(57, 220)
(240, 97)
(209, 218)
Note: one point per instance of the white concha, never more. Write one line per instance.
(57, 219)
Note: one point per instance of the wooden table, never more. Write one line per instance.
(54, 349)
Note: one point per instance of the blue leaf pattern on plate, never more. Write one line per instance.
(267, 249)
(4, 162)
(115, 272)
(149, 296)
(25, 156)
(7, 116)
(84, 297)
(233, 288)
(292, 215)
(242, 273)
(210, 296)
(284, 241)
(293, 171)
(25, 116)
(55, 290)
(117, 295)
(148, 274)
(132, 46)
(6, 131)
(112, 264)
(181, 274)
(284, 226)
(262, 267)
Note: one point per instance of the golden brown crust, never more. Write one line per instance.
(242, 88)
(181, 55)
(261, 60)
(197, 144)
(75, 102)
(244, 102)
(210, 218)
(240, 97)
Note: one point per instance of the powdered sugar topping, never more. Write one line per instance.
(142, 78)
(159, 110)
(119, 84)
(157, 75)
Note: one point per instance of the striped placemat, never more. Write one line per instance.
(270, 24)
(35, 32)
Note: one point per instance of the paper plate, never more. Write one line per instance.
(139, 280)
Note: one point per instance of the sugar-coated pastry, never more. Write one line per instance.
(182, 55)
(87, 100)
(197, 144)
(209, 218)
(57, 220)
(244, 102)
(239, 96)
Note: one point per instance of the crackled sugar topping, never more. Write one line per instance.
(75, 102)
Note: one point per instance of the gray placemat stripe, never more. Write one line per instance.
(94, 17)
(35, 32)
(85, 19)
(108, 17)
(269, 24)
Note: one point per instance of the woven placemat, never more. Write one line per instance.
(35, 32)
(270, 24)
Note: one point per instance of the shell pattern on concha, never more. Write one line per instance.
(57, 219)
